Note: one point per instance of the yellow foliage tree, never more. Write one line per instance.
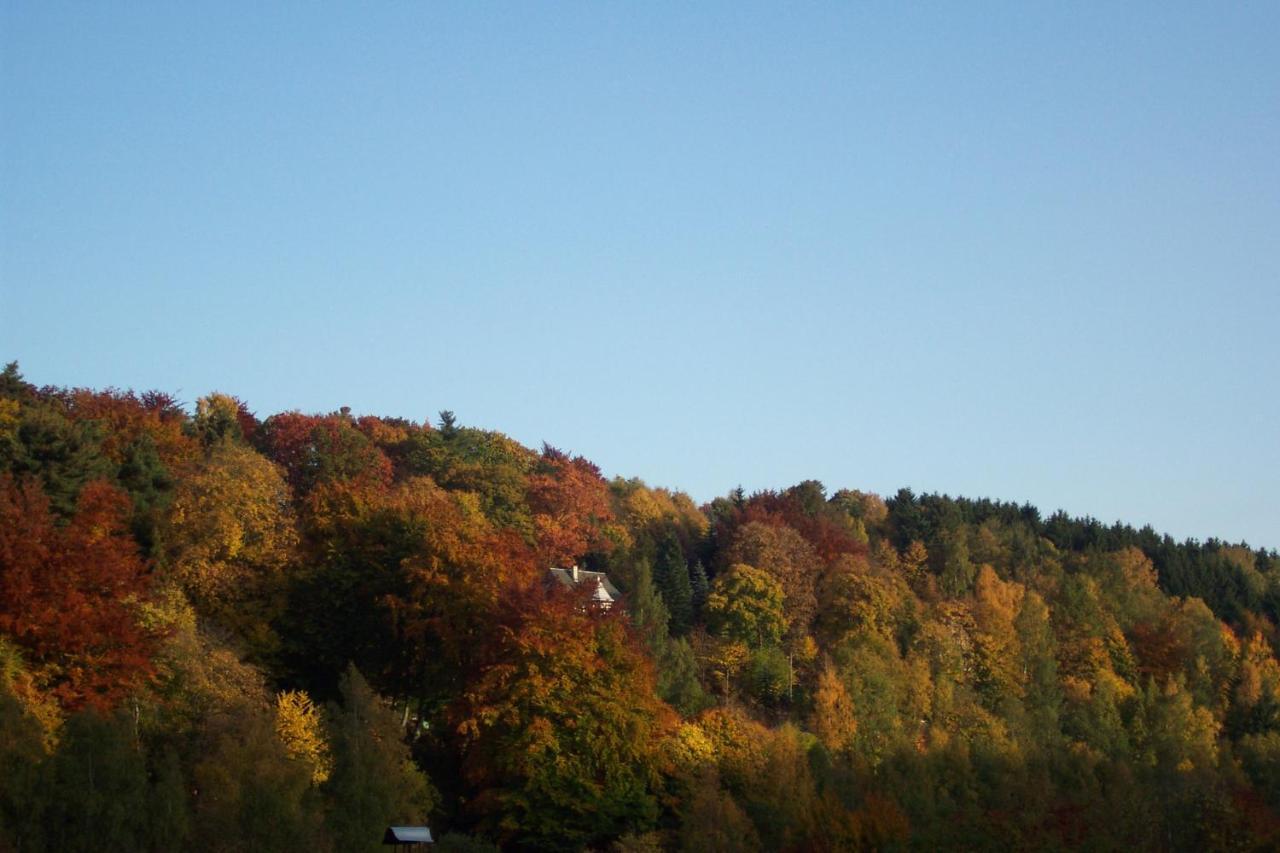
(230, 535)
(301, 730)
(833, 719)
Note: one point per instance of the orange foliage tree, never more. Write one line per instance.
(570, 503)
(561, 729)
(315, 449)
(68, 595)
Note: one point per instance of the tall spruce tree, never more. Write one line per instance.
(673, 656)
(700, 585)
(672, 577)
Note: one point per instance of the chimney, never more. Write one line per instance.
(575, 572)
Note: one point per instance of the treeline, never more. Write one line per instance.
(226, 632)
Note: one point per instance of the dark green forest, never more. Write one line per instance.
(229, 632)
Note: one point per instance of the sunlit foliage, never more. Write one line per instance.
(190, 605)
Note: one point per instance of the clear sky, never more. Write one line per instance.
(997, 250)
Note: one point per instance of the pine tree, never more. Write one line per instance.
(672, 577)
(677, 669)
(649, 613)
(374, 781)
(700, 585)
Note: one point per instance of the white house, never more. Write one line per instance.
(605, 592)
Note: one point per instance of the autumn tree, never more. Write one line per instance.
(402, 583)
(788, 558)
(561, 728)
(747, 604)
(230, 534)
(315, 449)
(300, 728)
(714, 823)
(833, 719)
(251, 794)
(69, 594)
(570, 504)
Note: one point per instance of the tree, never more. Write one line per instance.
(787, 557)
(956, 571)
(833, 719)
(374, 781)
(68, 595)
(782, 798)
(747, 604)
(699, 585)
(489, 464)
(315, 449)
(145, 477)
(1043, 696)
(99, 797)
(856, 600)
(448, 424)
(677, 670)
(300, 728)
(401, 582)
(64, 454)
(221, 417)
(251, 793)
(22, 771)
(570, 503)
(714, 823)
(230, 534)
(997, 653)
(561, 728)
(672, 575)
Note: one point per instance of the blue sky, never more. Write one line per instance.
(986, 249)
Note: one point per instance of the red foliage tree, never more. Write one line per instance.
(125, 417)
(570, 504)
(316, 449)
(805, 510)
(68, 593)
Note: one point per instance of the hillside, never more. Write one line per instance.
(245, 632)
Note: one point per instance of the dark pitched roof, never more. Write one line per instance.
(565, 576)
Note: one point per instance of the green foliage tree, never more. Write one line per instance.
(99, 796)
(64, 454)
(672, 576)
(747, 604)
(251, 793)
(714, 823)
(677, 669)
(699, 585)
(23, 768)
(374, 781)
(788, 558)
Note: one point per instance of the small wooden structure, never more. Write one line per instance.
(407, 836)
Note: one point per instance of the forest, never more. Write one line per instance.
(229, 632)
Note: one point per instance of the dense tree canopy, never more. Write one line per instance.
(244, 634)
